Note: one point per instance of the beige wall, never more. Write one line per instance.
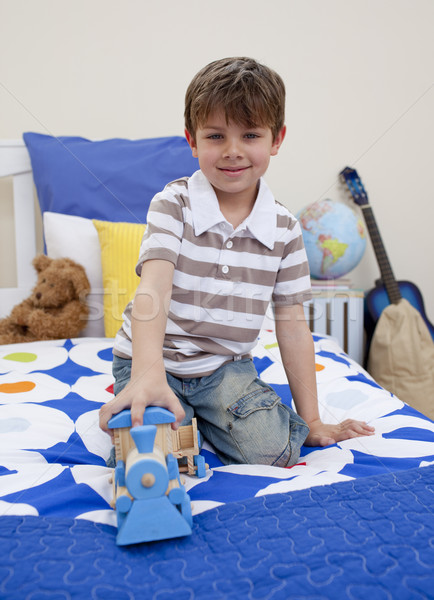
(359, 76)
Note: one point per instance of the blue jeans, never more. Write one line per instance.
(239, 414)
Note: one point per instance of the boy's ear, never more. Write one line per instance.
(191, 142)
(278, 141)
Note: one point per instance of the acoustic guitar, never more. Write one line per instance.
(387, 290)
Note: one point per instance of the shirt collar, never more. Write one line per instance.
(206, 211)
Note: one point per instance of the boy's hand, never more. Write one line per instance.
(137, 397)
(322, 434)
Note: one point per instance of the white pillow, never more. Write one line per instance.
(73, 237)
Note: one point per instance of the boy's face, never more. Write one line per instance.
(233, 157)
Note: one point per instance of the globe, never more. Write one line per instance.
(334, 237)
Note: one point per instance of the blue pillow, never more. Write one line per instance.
(109, 180)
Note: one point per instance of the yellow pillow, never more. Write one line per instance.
(120, 245)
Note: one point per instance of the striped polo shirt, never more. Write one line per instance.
(224, 278)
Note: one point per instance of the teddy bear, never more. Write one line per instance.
(55, 309)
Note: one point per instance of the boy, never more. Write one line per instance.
(217, 249)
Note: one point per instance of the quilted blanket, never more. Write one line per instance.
(364, 539)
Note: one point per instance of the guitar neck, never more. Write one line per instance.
(387, 276)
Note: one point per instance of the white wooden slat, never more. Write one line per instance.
(336, 319)
(356, 339)
(25, 234)
(319, 317)
(339, 314)
(15, 162)
(10, 297)
(14, 158)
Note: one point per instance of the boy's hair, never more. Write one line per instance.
(249, 93)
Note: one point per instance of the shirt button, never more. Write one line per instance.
(225, 269)
(229, 244)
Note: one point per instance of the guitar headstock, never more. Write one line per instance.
(350, 177)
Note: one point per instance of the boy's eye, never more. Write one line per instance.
(251, 136)
(215, 136)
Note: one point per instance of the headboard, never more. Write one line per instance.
(15, 163)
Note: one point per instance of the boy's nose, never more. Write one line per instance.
(232, 149)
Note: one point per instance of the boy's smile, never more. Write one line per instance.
(233, 157)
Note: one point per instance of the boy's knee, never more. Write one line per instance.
(265, 431)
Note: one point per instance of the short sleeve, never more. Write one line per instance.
(293, 278)
(163, 236)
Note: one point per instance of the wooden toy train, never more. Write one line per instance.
(149, 497)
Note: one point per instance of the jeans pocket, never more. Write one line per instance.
(261, 397)
(264, 430)
(259, 426)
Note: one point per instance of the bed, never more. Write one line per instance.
(353, 520)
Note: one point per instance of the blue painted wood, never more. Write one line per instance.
(153, 415)
(377, 300)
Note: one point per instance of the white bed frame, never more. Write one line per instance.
(338, 313)
(15, 163)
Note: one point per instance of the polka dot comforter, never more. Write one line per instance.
(259, 532)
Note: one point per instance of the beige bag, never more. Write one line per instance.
(401, 356)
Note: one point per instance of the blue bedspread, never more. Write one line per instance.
(369, 538)
(52, 452)
(353, 520)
